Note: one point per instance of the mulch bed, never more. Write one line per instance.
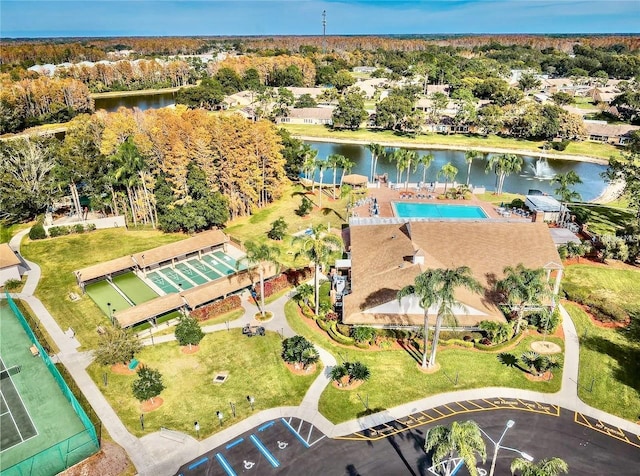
(147, 406)
(352, 386)
(602, 324)
(539, 378)
(186, 350)
(122, 369)
(111, 460)
(300, 371)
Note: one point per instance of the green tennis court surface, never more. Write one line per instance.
(161, 282)
(15, 422)
(134, 288)
(204, 269)
(217, 265)
(102, 293)
(176, 278)
(48, 417)
(191, 274)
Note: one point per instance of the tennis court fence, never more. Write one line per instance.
(70, 451)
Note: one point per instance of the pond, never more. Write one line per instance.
(141, 101)
(536, 173)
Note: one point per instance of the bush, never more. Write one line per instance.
(338, 337)
(517, 203)
(343, 329)
(575, 293)
(605, 310)
(78, 228)
(91, 226)
(539, 320)
(363, 334)
(273, 286)
(305, 207)
(217, 308)
(37, 232)
(278, 229)
(461, 343)
(59, 231)
(561, 145)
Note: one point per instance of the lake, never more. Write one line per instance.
(536, 173)
(141, 101)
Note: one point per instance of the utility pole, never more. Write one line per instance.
(324, 31)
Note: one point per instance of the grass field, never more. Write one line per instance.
(7, 231)
(609, 377)
(622, 285)
(59, 257)
(255, 368)
(603, 219)
(586, 149)
(396, 379)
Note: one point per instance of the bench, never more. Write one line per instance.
(34, 351)
(101, 330)
(74, 297)
(133, 364)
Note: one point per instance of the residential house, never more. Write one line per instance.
(308, 115)
(616, 134)
(9, 264)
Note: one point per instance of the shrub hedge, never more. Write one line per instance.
(217, 308)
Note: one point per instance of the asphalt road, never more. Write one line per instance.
(294, 447)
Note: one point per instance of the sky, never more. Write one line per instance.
(61, 18)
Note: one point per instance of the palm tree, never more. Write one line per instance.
(425, 161)
(397, 156)
(470, 156)
(503, 165)
(318, 247)
(377, 151)
(523, 287)
(566, 194)
(449, 280)
(321, 165)
(346, 165)
(410, 157)
(357, 371)
(260, 254)
(424, 288)
(464, 438)
(309, 162)
(334, 161)
(546, 467)
(304, 292)
(449, 172)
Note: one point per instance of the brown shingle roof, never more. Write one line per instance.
(381, 261)
(149, 309)
(173, 250)
(103, 269)
(311, 113)
(7, 257)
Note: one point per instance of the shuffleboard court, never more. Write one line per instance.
(204, 269)
(192, 274)
(228, 260)
(161, 282)
(134, 288)
(176, 278)
(217, 265)
(102, 293)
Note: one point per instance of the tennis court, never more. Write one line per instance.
(162, 283)
(204, 269)
(38, 423)
(134, 288)
(192, 274)
(176, 278)
(102, 293)
(16, 425)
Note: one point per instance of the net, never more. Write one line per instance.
(6, 373)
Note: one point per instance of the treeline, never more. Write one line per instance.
(179, 169)
(128, 75)
(282, 70)
(31, 102)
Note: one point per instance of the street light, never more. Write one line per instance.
(497, 446)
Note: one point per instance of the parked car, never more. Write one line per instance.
(251, 331)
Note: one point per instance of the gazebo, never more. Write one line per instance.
(355, 180)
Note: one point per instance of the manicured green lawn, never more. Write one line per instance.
(496, 199)
(396, 379)
(7, 231)
(255, 368)
(622, 284)
(589, 149)
(609, 377)
(59, 257)
(603, 219)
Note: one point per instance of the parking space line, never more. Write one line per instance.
(603, 428)
(237, 442)
(265, 452)
(266, 425)
(199, 462)
(225, 465)
(302, 440)
(323, 436)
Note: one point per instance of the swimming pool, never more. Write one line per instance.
(432, 210)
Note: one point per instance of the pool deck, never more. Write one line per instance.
(385, 195)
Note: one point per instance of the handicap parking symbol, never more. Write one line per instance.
(248, 464)
(282, 444)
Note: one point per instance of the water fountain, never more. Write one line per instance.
(541, 169)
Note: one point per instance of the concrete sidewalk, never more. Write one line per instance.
(155, 455)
